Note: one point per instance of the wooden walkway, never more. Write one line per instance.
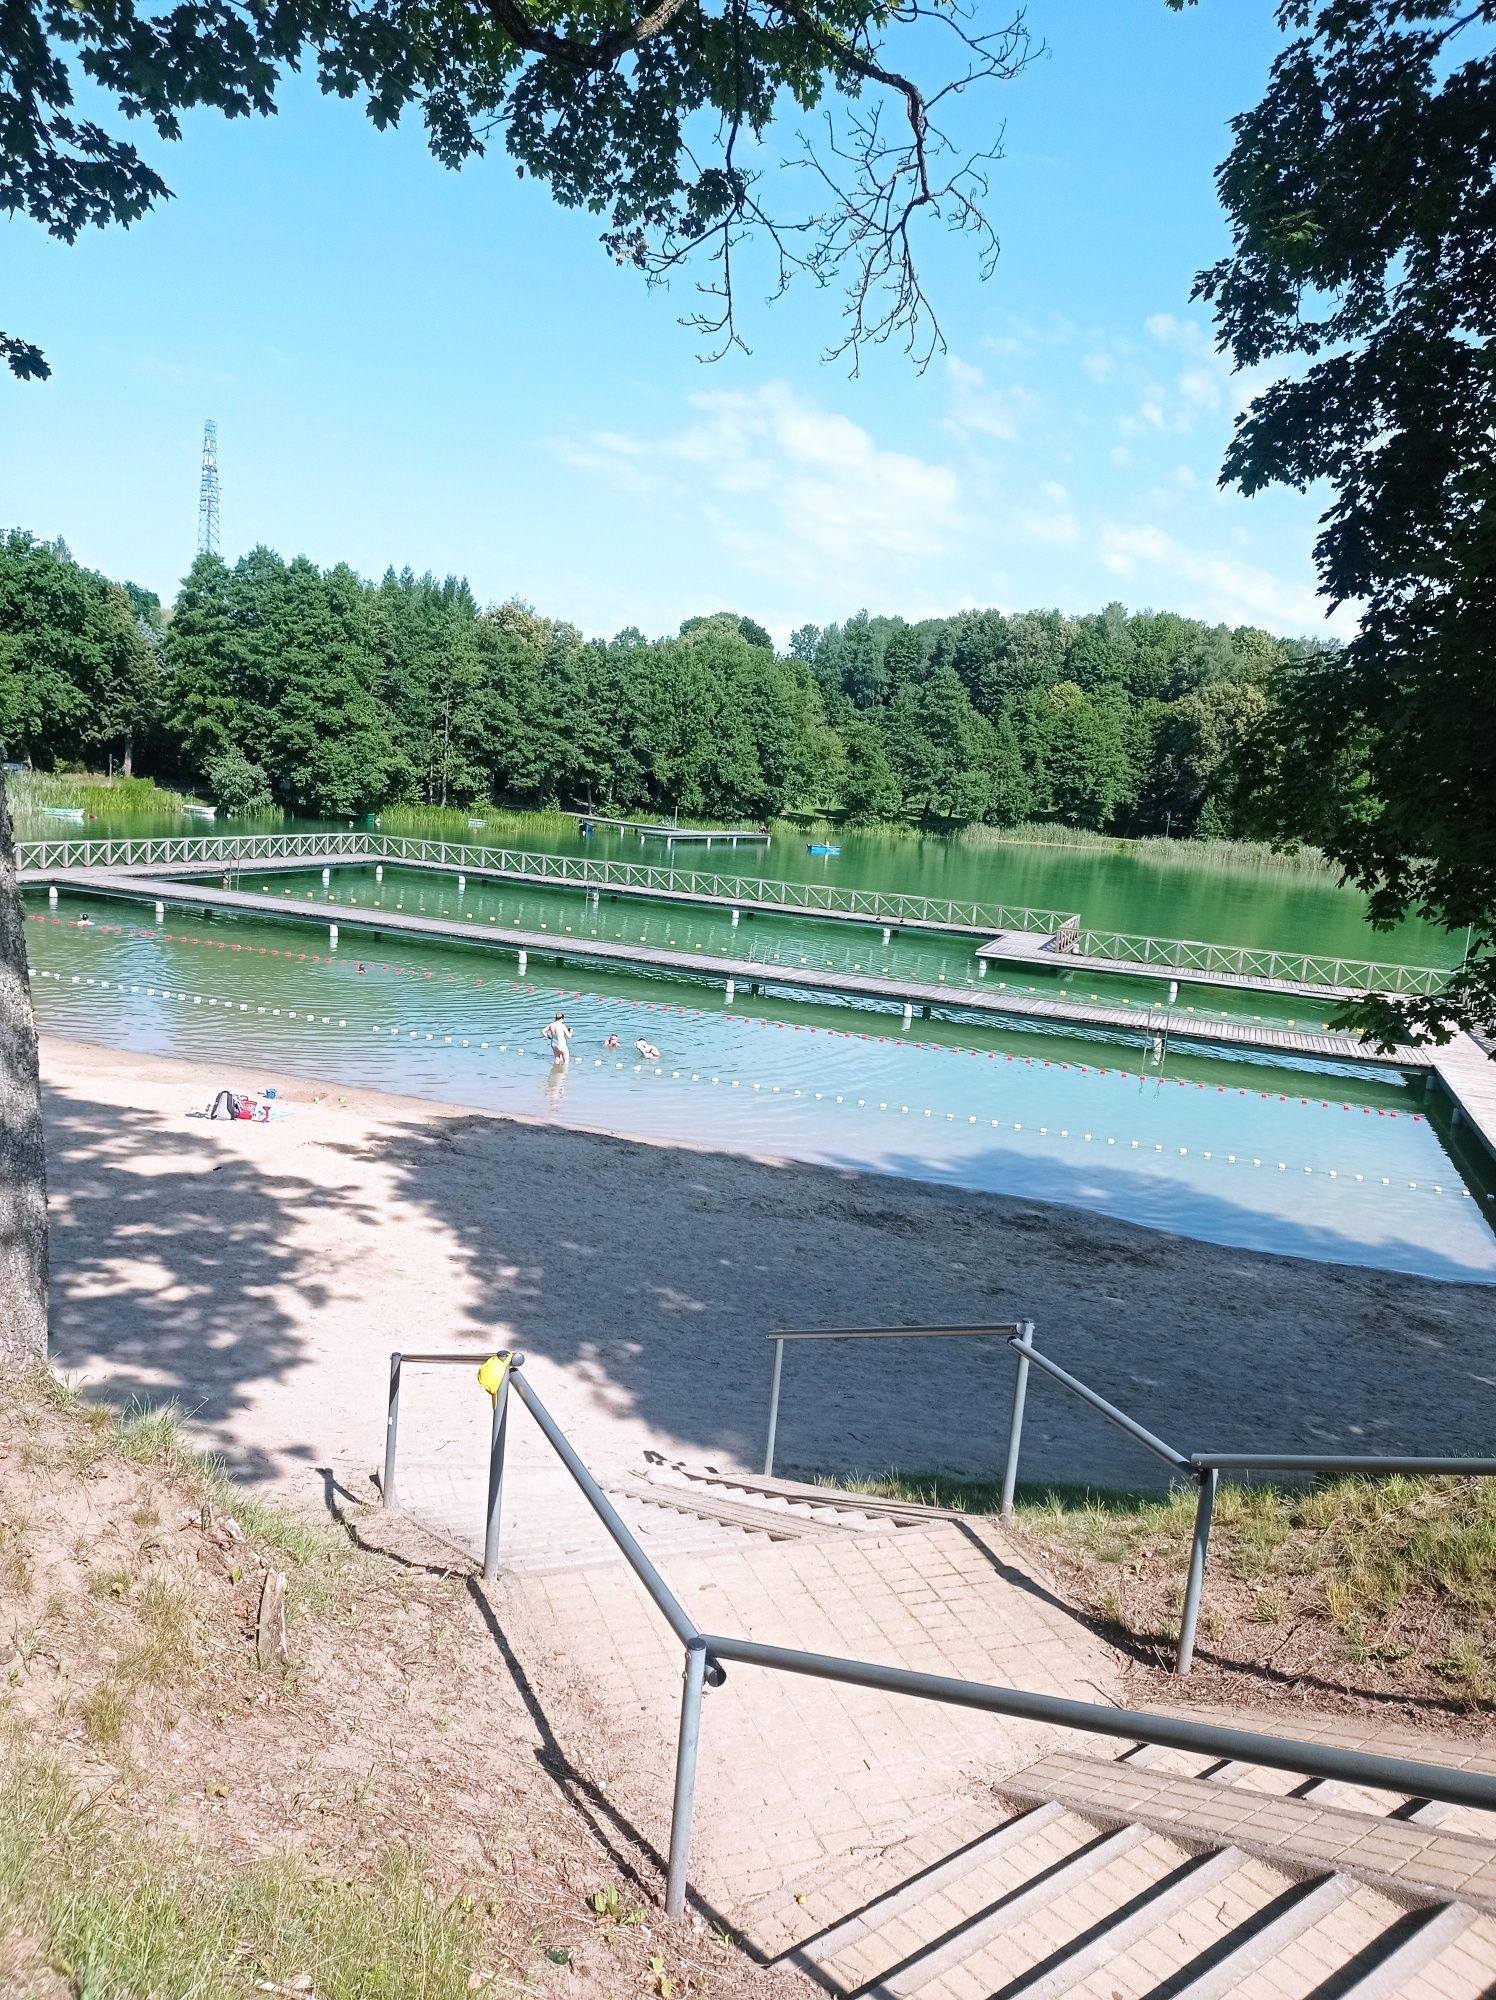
(1028, 947)
(746, 836)
(186, 871)
(748, 973)
(1468, 1074)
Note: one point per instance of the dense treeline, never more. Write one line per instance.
(276, 682)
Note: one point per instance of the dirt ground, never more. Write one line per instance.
(417, 1711)
(261, 1275)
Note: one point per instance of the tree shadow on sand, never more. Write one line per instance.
(172, 1277)
(644, 1281)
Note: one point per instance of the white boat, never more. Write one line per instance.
(63, 812)
(202, 812)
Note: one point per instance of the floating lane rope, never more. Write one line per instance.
(1092, 1070)
(437, 1037)
(1058, 990)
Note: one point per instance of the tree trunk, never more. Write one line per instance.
(127, 762)
(23, 1171)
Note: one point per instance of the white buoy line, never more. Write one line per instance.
(198, 999)
(311, 1017)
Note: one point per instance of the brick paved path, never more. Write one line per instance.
(808, 1790)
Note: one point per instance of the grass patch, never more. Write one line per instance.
(1254, 856)
(15, 1557)
(451, 823)
(316, 1558)
(121, 798)
(120, 1917)
(1394, 1570)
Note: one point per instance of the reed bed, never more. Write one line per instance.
(31, 792)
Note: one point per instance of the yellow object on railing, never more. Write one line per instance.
(491, 1374)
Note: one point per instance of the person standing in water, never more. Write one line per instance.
(559, 1037)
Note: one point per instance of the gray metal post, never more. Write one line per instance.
(496, 1438)
(1015, 1423)
(1204, 1509)
(773, 1409)
(391, 1429)
(685, 1780)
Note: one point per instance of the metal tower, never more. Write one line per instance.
(207, 496)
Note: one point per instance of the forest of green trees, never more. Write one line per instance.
(273, 682)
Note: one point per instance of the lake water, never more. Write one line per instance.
(1319, 1160)
(803, 944)
(1183, 892)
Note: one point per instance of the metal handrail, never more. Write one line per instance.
(704, 1654)
(1004, 1332)
(1260, 964)
(665, 1601)
(1171, 1732)
(1378, 1467)
(1205, 1469)
(1024, 1348)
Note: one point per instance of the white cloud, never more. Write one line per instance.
(1202, 387)
(979, 410)
(794, 491)
(1098, 364)
(1206, 584)
(1172, 332)
(1052, 522)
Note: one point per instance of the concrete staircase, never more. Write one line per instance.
(1154, 1875)
(1157, 1876)
(781, 1509)
(894, 1851)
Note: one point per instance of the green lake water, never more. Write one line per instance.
(1186, 892)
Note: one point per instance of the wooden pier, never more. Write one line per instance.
(516, 874)
(746, 836)
(1028, 948)
(916, 995)
(1468, 1076)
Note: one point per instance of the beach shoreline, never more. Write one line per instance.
(260, 1276)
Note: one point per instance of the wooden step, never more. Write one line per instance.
(916, 1513)
(1403, 1857)
(777, 1524)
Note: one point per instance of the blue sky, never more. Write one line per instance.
(408, 365)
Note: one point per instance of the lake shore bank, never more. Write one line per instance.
(260, 1275)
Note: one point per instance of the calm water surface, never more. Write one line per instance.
(1315, 1160)
(1186, 894)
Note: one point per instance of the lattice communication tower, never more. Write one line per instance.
(207, 495)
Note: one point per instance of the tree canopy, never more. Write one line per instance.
(648, 113)
(1362, 197)
(276, 682)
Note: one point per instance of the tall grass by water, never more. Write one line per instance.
(31, 792)
(1253, 855)
(482, 825)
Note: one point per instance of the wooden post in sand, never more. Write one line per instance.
(23, 1169)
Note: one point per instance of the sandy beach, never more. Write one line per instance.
(261, 1274)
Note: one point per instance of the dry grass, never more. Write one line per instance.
(124, 1916)
(1372, 1586)
(393, 1816)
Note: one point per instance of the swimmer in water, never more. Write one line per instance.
(361, 969)
(611, 1042)
(647, 1049)
(558, 1034)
